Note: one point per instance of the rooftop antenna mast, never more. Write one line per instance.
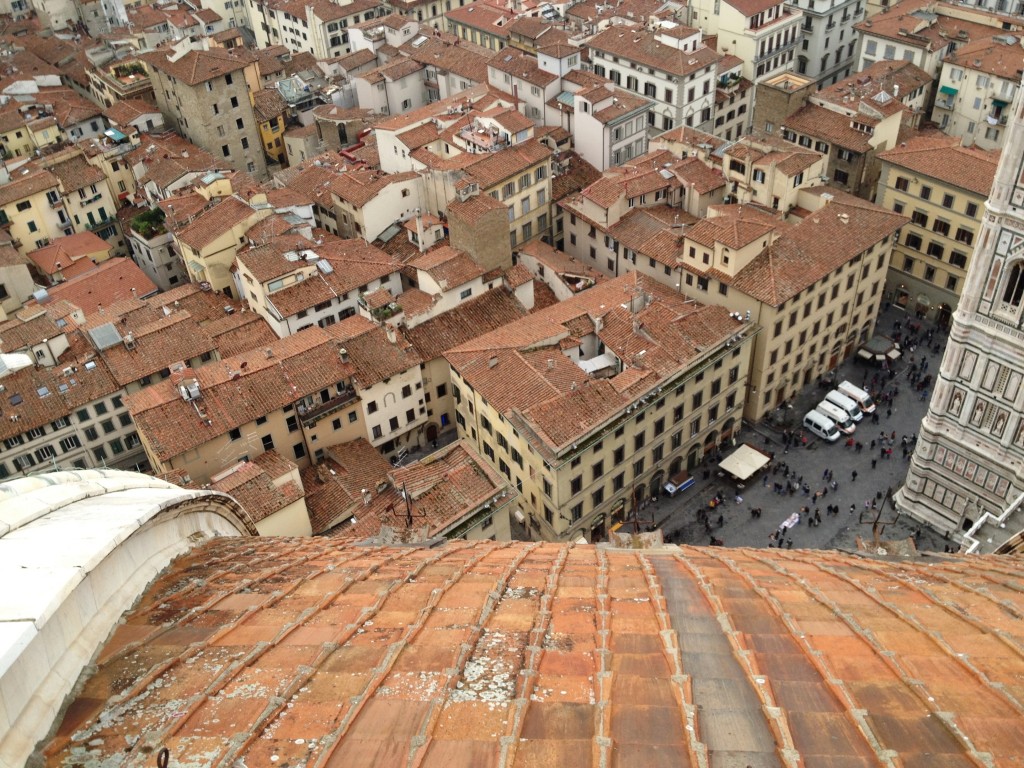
(409, 513)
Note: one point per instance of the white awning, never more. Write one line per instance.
(744, 461)
(598, 362)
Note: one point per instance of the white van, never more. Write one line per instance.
(821, 425)
(838, 415)
(858, 395)
(850, 406)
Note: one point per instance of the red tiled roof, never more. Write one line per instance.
(112, 281)
(198, 66)
(520, 370)
(63, 393)
(62, 252)
(927, 25)
(252, 484)
(121, 113)
(236, 391)
(212, 223)
(448, 266)
(334, 487)
(372, 356)
(833, 127)
(945, 159)
(460, 324)
(574, 655)
(156, 346)
(818, 245)
(637, 44)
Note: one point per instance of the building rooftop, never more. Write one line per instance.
(929, 25)
(197, 66)
(449, 267)
(123, 112)
(259, 485)
(110, 282)
(527, 370)
(945, 159)
(830, 126)
(64, 251)
(236, 391)
(823, 241)
(1001, 55)
(639, 45)
(521, 654)
(481, 314)
(153, 347)
(483, 16)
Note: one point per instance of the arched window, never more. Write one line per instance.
(1014, 291)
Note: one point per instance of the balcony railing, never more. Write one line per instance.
(100, 224)
(775, 51)
(311, 416)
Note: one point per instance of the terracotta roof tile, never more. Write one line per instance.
(944, 158)
(63, 251)
(458, 57)
(73, 170)
(355, 263)
(926, 25)
(448, 266)
(524, 375)
(642, 46)
(239, 332)
(156, 346)
(167, 157)
(123, 112)
(558, 262)
(252, 483)
(481, 15)
(112, 281)
(468, 320)
(64, 394)
(494, 167)
(833, 127)
(360, 187)
(26, 182)
(198, 66)
(518, 64)
(431, 651)
(236, 391)
(212, 223)
(268, 104)
(335, 490)
(815, 247)
(372, 356)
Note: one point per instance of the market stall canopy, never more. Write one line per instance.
(744, 462)
(878, 349)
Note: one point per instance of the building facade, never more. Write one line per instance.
(965, 474)
(828, 49)
(205, 96)
(942, 187)
(976, 87)
(591, 405)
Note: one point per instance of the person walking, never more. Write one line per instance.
(853, 476)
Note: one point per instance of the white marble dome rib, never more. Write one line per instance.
(76, 550)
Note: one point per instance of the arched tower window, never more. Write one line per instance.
(1014, 290)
